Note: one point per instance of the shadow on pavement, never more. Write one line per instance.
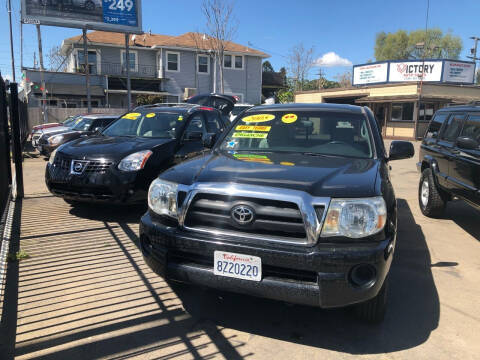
(464, 216)
(109, 212)
(412, 315)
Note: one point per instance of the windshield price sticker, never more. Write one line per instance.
(131, 116)
(243, 135)
(151, 115)
(258, 118)
(180, 118)
(250, 156)
(289, 118)
(253, 128)
(286, 163)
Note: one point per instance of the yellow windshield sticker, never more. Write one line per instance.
(131, 116)
(150, 115)
(286, 163)
(180, 118)
(250, 156)
(253, 128)
(244, 135)
(289, 118)
(258, 118)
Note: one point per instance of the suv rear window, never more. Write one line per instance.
(471, 128)
(453, 127)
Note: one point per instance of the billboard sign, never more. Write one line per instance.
(440, 71)
(106, 15)
(370, 74)
(415, 70)
(459, 72)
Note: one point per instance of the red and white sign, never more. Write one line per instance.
(415, 71)
(459, 72)
(370, 74)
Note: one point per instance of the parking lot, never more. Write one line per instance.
(84, 292)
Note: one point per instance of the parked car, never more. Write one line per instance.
(39, 130)
(119, 164)
(450, 160)
(237, 109)
(294, 203)
(89, 5)
(82, 126)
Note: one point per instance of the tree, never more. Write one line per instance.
(56, 60)
(267, 67)
(221, 27)
(300, 61)
(344, 79)
(417, 44)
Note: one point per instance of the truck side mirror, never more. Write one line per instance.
(467, 143)
(401, 150)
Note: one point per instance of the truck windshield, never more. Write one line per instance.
(147, 124)
(314, 132)
(82, 124)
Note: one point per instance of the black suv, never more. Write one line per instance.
(293, 203)
(119, 163)
(450, 159)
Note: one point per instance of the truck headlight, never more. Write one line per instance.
(52, 157)
(355, 218)
(55, 140)
(162, 197)
(135, 161)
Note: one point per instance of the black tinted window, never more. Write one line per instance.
(471, 128)
(453, 127)
(214, 124)
(196, 124)
(436, 124)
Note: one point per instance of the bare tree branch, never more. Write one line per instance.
(300, 61)
(221, 28)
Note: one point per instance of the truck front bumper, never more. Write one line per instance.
(318, 276)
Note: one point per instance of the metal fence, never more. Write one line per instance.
(5, 162)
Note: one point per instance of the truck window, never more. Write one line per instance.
(472, 128)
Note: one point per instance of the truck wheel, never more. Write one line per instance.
(373, 310)
(430, 199)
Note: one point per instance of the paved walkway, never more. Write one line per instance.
(85, 293)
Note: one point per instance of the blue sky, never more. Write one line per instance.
(346, 27)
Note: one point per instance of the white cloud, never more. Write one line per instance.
(331, 59)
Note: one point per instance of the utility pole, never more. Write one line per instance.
(473, 51)
(42, 75)
(127, 65)
(21, 43)
(87, 70)
(11, 39)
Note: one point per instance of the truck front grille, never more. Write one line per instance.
(272, 218)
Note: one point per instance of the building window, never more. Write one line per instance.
(133, 61)
(173, 61)
(402, 111)
(227, 61)
(238, 62)
(425, 112)
(203, 62)
(92, 62)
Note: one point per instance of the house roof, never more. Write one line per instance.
(191, 40)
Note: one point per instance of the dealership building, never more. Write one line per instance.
(402, 101)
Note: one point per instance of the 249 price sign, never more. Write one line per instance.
(121, 12)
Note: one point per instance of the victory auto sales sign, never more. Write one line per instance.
(415, 70)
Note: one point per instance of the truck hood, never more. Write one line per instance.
(112, 148)
(316, 175)
(53, 129)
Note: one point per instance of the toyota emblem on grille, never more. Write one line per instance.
(243, 214)
(78, 167)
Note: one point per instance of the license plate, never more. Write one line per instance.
(237, 266)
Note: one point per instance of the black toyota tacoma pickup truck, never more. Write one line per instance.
(293, 203)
